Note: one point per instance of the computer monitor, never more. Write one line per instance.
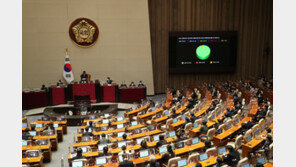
(106, 115)
(195, 125)
(163, 149)
(180, 145)
(84, 149)
(42, 142)
(213, 116)
(236, 121)
(105, 121)
(263, 127)
(248, 138)
(257, 132)
(59, 119)
(33, 133)
(203, 156)
(182, 162)
(155, 137)
(166, 113)
(121, 159)
(175, 120)
(261, 160)
(144, 153)
(24, 125)
(55, 125)
(229, 125)
(77, 163)
(101, 147)
(151, 128)
(39, 125)
(120, 144)
(119, 119)
(49, 133)
(119, 126)
(195, 140)
(218, 112)
(139, 141)
(101, 161)
(184, 116)
(137, 131)
(172, 134)
(134, 123)
(32, 154)
(120, 134)
(24, 143)
(153, 108)
(104, 128)
(246, 165)
(221, 150)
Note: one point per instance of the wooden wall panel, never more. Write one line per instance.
(251, 18)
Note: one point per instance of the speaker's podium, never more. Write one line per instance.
(82, 104)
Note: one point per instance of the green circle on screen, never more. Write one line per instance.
(203, 52)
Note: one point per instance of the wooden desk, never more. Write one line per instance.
(194, 132)
(180, 110)
(209, 162)
(253, 144)
(136, 110)
(38, 161)
(135, 136)
(46, 150)
(53, 140)
(222, 138)
(136, 127)
(105, 132)
(119, 122)
(159, 120)
(81, 144)
(63, 124)
(175, 126)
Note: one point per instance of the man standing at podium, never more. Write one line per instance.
(83, 77)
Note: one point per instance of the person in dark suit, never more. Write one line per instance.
(141, 84)
(26, 135)
(83, 77)
(105, 152)
(198, 165)
(126, 162)
(123, 85)
(78, 155)
(174, 115)
(193, 117)
(204, 128)
(49, 127)
(161, 141)
(44, 88)
(170, 151)
(109, 81)
(153, 162)
(91, 126)
(132, 85)
(87, 133)
(232, 158)
(103, 140)
(144, 145)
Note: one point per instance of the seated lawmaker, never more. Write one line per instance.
(123, 85)
(26, 135)
(126, 162)
(78, 155)
(44, 88)
(232, 158)
(105, 152)
(141, 84)
(132, 85)
(83, 77)
(59, 83)
(109, 81)
(161, 141)
(87, 133)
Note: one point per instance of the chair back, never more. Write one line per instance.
(211, 133)
(193, 158)
(173, 162)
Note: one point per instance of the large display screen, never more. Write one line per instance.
(202, 51)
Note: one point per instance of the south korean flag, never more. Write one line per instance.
(67, 72)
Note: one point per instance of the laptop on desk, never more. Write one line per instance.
(101, 161)
(182, 162)
(203, 157)
(144, 153)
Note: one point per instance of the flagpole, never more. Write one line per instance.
(66, 51)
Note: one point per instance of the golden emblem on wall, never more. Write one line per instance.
(83, 32)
